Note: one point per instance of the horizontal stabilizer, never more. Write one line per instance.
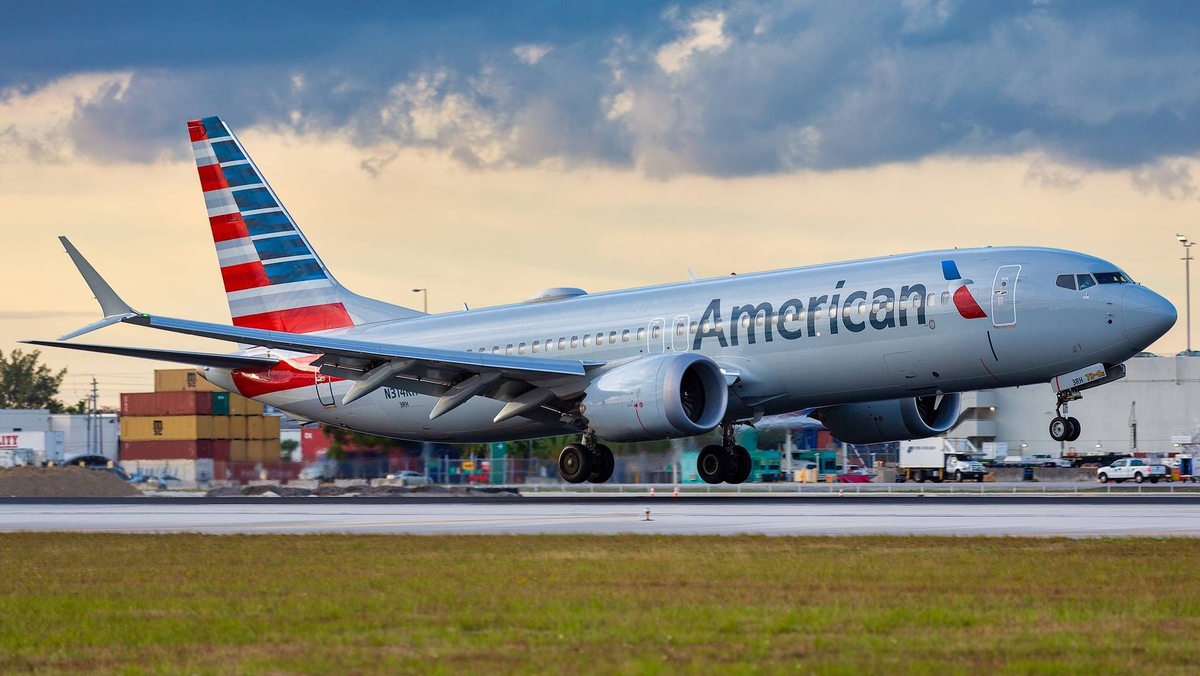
(222, 361)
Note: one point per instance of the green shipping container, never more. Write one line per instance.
(220, 403)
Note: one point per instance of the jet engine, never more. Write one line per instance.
(892, 420)
(662, 396)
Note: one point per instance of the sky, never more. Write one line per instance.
(487, 150)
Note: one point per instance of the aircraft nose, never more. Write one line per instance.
(1147, 316)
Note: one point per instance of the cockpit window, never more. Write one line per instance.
(1085, 281)
(1112, 278)
(1066, 281)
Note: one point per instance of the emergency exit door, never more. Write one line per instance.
(1004, 296)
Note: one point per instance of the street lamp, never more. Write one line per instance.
(424, 298)
(1187, 272)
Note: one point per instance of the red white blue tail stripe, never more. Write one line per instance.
(273, 277)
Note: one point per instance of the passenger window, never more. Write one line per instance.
(817, 313)
(932, 300)
(574, 341)
(745, 321)
(875, 306)
(508, 349)
(692, 328)
(612, 337)
(495, 349)
(600, 338)
(641, 334)
(679, 328)
(656, 332)
(587, 340)
(803, 315)
(1085, 281)
(759, 319)
(625, 336)
(534, 347)
(521, 348)
(945, 298)
(562, 343)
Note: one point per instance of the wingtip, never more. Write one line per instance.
(110, 303)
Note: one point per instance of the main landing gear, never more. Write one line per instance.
(727, 462)
(587, 461)
(1063, 427)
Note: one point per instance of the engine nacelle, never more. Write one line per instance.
(662, 396)
(892, 420)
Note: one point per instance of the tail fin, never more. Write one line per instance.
(273, 277)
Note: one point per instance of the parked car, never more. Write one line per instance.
(410, 478)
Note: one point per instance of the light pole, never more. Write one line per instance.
(1187, 272)
(424, 298)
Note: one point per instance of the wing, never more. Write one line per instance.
(533, 387)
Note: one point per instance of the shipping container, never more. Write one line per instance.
(186, 471)
(220, 427)
(254, 426)
(220, 403)
(271, 450)
(271, 427)
(237, 450)
(167, 427)
(166, 403)
(193, 449)
(237, 427)
(179, 380)
(256, 451)
(239, 405)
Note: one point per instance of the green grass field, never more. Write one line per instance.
(628, 604)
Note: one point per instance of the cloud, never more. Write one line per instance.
(706, 34)
(531, 54)
(734, 88)
(1170, 178)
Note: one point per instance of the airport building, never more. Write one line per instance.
(1154, 409)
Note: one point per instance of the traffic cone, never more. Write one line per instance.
(676, 493)
(652, 491)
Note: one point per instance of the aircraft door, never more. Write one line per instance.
(1004, 296)
(679, 334)
(655, 338)
(325, 391)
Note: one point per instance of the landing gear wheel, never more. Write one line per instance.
(574, 464)
(712, 464)
(1075, 430)
(740, 471)
(603, 465)
(1060, 428)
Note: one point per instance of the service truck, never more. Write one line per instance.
(937, 460)
(1138, 469)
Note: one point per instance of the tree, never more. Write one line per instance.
(24, 383)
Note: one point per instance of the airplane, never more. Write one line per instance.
(878, 349)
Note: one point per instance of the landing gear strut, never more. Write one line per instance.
(587, 461)
(727, 462)
(1064, 427)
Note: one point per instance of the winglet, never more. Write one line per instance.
(110, 303)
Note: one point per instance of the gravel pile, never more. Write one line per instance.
(63, 482)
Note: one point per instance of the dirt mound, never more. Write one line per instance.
(63, 482)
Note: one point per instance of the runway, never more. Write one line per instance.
(1078, 517)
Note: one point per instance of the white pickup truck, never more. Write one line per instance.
(1137, 469)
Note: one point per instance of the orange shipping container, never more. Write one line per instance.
(242, 406)
(237, 427)
(180, 380)
(166, 428)
(166, 403)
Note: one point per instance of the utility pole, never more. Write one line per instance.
(1187, 273)
(94, 422)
